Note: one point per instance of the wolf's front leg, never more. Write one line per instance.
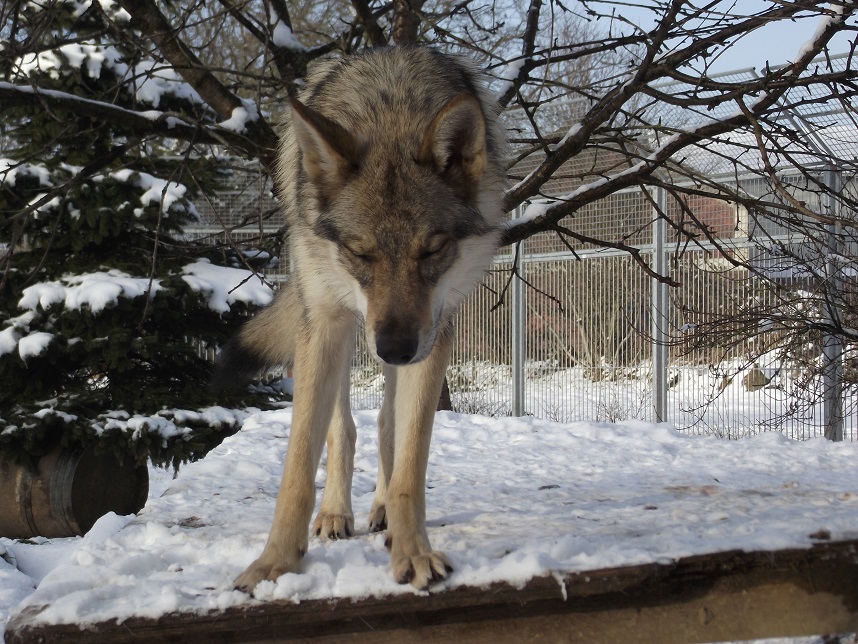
(336, 519)
(417, 390)
(386, 426)
(321, 355)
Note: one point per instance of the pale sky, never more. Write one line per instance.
(777, 43)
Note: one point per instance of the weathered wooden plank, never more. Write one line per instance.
(726, 595)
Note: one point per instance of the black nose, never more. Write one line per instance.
(396, 349)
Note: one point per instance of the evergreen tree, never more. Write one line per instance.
(105, 306)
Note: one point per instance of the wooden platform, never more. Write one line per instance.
(706, 598)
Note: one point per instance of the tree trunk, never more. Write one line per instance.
(406, 21)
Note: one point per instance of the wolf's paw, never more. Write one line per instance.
(377, 518)
(266, 567)
(423, 570)
(333, 526)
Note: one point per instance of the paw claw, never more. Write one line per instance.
(333, 526)
(378, 519)
(267, 567)
(422, 570)
(406, 576)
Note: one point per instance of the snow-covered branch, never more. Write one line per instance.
(148, 18)
(138, 122)
(517, 70)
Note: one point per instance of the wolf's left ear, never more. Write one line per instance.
(455, 143)
(329, 151)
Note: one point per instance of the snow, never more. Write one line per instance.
(34, 344)
(241, 116)
(158, 81)
(164, 422)
(11, 169)
(112, 8)
(836, 13)
(46, 207)
(79, 7)
(509, 74)
(94, 290)
(155, 190)
(281, 34)
(533, 210)
(8, 340)
(223, 286)
(50, 411)
(77, 55)
(573, 132)
(149, 81)
(507, 499)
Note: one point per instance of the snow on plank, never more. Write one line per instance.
(526, 509)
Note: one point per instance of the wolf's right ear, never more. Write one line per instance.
(455, 143)
(329, 151)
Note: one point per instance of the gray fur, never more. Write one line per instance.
(391, 170)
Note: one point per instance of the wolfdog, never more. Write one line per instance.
(390, 168)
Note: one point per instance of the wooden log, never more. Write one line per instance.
(719, 596)
(69, 491)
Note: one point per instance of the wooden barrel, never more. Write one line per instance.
(70, 490)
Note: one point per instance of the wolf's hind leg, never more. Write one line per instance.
(335, 519)
(320, 359)
(418, 387)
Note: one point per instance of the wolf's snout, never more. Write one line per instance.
(396, 348)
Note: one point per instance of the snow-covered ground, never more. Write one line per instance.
(701, 399)
(508, 499)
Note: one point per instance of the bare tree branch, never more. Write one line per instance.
(770, 89)
(374, 33)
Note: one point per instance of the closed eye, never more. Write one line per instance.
(362, 255)
(436, 248)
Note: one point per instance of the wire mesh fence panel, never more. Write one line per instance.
(480, 371)
(727, 378)
(587, 353)
(624, 217)
(736, 368)
(367, 380)
(588, 332)
(575, 322)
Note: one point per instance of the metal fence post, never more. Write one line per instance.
(518, 340)
(659, 308)
(832, 347)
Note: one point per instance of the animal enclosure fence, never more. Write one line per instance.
(580, 332)
(586, 334)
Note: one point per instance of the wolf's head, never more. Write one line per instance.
(399, 204)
